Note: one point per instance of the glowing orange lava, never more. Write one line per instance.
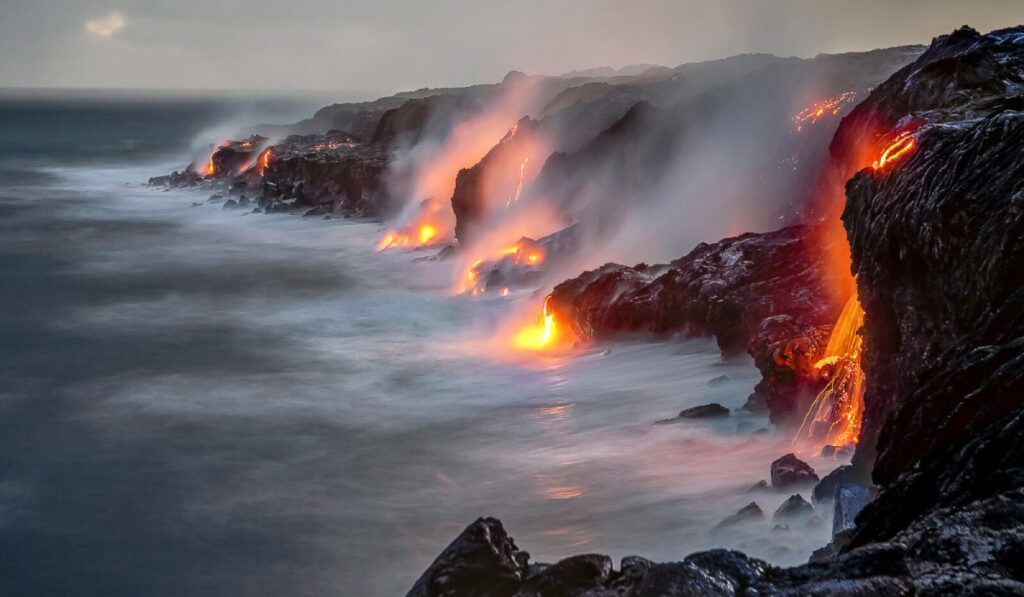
(540, 335)
(900, 146)
(210, 169)
(421, 235)
(517, 189)
(264, 162)
(524, 252)
(427, 233)
(829, 107)
(835, 415)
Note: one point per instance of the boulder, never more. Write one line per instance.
(761, 485)
(837, 452)
(790, 470)
(483, 560)
(704, 411)
(794, 507)
(571, 576)
(749, 513)
(826, 488)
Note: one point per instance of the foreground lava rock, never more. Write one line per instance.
(790, 470)
(767, 293)
(937, 245)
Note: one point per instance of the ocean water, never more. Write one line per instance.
(201, 402)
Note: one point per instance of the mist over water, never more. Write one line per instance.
(196, 401)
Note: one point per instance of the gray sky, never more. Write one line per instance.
(387, 45)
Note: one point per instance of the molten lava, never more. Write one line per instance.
(263, 162)
(517, 189)
(210, 169)
(427, 233)
(815, 112)
(540, 335)
(526, 252)
(835, 415)
(900, 146)
(420, 235)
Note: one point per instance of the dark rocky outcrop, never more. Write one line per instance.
(704, 411)
(795, 506)
(483, 560)
(936, 244)
(766, 293)
(526, 267)
(749, 513)
(790, 470)
(826, 488)
(478, 185)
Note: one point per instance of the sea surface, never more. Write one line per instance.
(202, 402)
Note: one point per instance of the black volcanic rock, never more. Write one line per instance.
(749, 513)
(483, 560)
(795, 506)
(473, 186)
(826, 488)
(713, 410)
(790, 470)
(518, 270)
(571, 576)
(764, 293)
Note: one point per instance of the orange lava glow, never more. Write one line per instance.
(418, 236)
(540, 335)
(517, 190)
(264, 162)
(427, 233)
(523, 253)
(210, 169)
(815, 112)
(899, 147)
(834, 417)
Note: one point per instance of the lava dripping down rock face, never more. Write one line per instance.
(937, 246)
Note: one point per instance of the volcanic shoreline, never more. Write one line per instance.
(927, 174)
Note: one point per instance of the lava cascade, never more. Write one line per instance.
(834, 417)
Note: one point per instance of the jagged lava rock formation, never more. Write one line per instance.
(768, 294)
(937, 245)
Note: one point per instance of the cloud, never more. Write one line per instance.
(106, 26)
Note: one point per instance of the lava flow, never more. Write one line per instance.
(900, 146)
(526, 252)
(517, 189)
(264, 162)
(829, 107)
(835, 415)
(541, 334)
(420, 236)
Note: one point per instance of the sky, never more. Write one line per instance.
(387, 45)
